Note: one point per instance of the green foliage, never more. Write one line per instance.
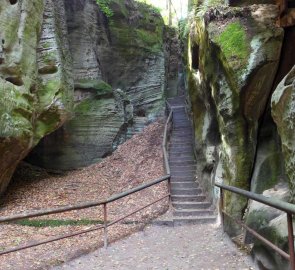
(40, 223)
(183, 27)
(151, 6)
(233, 43)
(201, 9)
(104, 5)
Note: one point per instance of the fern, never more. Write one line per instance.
(104, 7)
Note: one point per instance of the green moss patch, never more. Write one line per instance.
(234, 44)
(41, 223)
(100, 86)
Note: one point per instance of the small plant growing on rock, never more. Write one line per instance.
(104, 5)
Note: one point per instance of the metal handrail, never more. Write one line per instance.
(83, 205)
(97, 203)
(288, 208)
(275, 203)
(165, 141)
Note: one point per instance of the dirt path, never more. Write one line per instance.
(157, 247)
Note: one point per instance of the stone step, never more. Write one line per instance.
(177, 104)
(192, 212)
(183, 174)
(184, 185)
(182, 144)
(188, 198)
(181, 157)
(178, 117)
(181, 162)
(181, 127)
(185, 191)
(177, 179)
(194, 220)
(182, 133)
(181, 123)
(181, 168)
(182, 147)
(181, 138)
(183, 178)
(191, 205)
(179, 152)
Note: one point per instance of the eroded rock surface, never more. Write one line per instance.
(35, 78)
(124, 51)
(283, 112)
(234, 57)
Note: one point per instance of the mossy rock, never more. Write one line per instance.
(100, 87)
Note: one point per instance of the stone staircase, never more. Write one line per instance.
(188, 201)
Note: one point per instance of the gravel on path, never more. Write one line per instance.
(158, 247)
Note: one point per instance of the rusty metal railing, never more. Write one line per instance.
(288, 208)
(103, 203)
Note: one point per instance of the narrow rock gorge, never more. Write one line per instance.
(77, 78)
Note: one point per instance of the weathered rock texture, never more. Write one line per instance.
(283, 112)
(35, 77)
(244, 122)
(229, 88)
(124, 51)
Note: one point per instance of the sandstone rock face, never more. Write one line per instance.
(88, 137)
(244, 115)
(283, 112)
(234, 55)
(133, 59)
(35, 77)
(124, 51)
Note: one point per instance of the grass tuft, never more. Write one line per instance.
(40, 223)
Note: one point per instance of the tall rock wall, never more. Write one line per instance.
(234, 56)
(124, 51)
(35, 77)
(243, 112)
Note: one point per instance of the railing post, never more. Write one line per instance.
(291, 241)
(105, 230)
(221, 207)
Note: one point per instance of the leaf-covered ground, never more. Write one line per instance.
(136, 161)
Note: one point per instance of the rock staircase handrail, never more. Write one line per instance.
(286, 207)
(104, 202)
(167, 132)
